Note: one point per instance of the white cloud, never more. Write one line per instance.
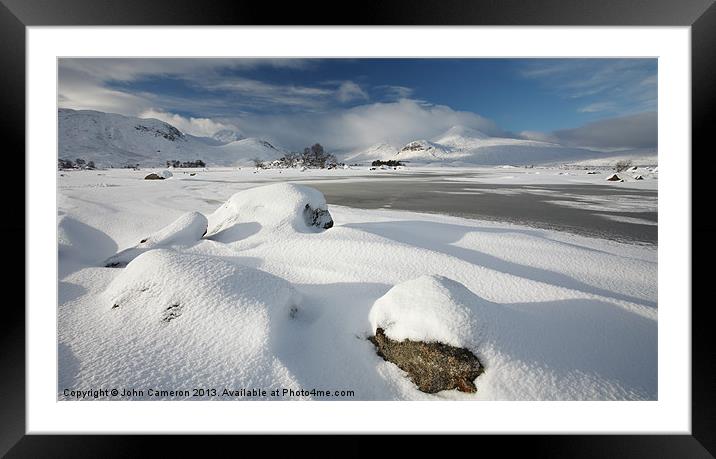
(632, 131)
(349, 91)
(621, 132)
(344, 130)
(203, 127)
(598, 107)
(621, 86)
(129, 69)
(539, 136)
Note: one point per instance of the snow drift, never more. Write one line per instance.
(279, 206)
(550, 315)
(430, 309)
(184, 231)
(183, 321)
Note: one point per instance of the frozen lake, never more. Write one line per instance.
(628, 215)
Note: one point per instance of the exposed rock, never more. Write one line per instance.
(431, 366)
(614, 178)
(320, 218)
(638, 177)
(153, 176)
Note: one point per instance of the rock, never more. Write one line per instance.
(320, 218)
(153, 176)
(280, 206)
(431, 366)
(614, 178)
(638, 177)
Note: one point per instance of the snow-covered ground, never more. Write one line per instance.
(264, 300)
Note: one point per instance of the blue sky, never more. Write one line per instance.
(551, 99)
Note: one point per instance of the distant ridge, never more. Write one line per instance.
(112, 140)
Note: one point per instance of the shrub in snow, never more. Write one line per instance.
(429, 327)
(281, 205)
(622, 165)
(173, 320)
(183, 231)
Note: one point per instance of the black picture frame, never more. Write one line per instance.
(700, 15)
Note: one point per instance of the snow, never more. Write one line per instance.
(170, 317)
(115, 140)
(431, 309)
(166, 174)
(276, 207)
(266, 301)
(462, 146)
(185, 230)
(381, 151)
(112, 140)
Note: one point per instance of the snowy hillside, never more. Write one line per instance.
(460, 145)
(112, 140)
(377, 151)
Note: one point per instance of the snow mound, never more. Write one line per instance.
(431, 309)
(78, 242)
(192, 319)
(277, 206)
(202, 286)
(183, 231)
(166, 174)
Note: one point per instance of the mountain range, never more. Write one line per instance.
(112, 140)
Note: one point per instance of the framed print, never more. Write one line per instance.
(451, 218)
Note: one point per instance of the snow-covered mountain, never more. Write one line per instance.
(377, 151)
(462, 145)
(115, 140)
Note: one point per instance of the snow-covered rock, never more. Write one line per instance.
(184, 231)
(614, 178)
(431, 309)
(278, 206)
(182, 321)
(166, 174)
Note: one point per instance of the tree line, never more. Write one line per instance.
(175, 163)
(314, 156)
(78, 163)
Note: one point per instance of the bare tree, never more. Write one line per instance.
(622, 165)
